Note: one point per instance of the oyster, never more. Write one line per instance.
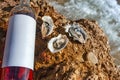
(47, 26)
(57, 43)
(76, 32)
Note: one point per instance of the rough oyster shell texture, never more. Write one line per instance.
(72, 63)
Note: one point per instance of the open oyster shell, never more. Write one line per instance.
(47, 26)
(76, 32)
(57, 43)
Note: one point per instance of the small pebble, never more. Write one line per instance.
(92, 58)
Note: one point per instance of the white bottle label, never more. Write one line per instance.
(20, 42)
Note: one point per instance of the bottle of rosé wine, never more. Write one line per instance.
(18, 59)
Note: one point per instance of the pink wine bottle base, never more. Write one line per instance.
(0, 68)
(16, 73)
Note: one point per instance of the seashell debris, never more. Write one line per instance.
(92, 58)
(47, 26)
(58, 43)
(76, 32)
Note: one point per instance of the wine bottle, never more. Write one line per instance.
(18, 58)
(0, 68)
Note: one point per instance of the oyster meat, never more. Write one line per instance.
(47, 26)
(58, 43)
(76, 32)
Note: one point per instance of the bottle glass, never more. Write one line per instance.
(18, 59)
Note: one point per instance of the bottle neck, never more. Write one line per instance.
(24, 2)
